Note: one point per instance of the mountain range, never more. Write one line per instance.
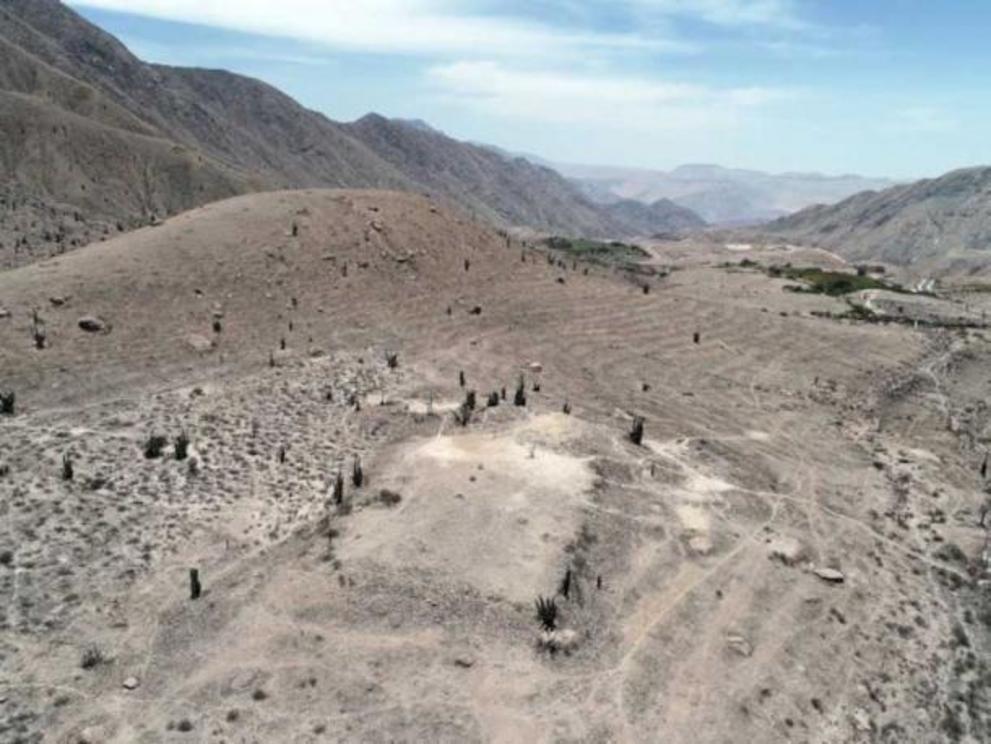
(93, 140)
(944, 223)
(721, 196)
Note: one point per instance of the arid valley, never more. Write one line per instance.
(444, 479)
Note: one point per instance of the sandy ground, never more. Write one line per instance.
(794, 553)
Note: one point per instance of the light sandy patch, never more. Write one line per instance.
(424, 407)
(739, 247)
(493, 509)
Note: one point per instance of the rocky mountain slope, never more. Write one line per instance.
(660, 217)
(941, 221)
(121, 140)
(722, 196)
(501, 189)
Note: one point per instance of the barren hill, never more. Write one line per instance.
(793, 550)
(940, 222)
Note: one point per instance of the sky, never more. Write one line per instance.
(895, 88)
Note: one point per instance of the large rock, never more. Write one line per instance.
(93, 324)
(831, 575)
(788, 550)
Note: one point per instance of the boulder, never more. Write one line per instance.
(565, 640)
(93, 324)
(740, 644)
(830, 574)
(131, 683)
(788, 550)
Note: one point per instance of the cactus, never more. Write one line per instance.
(195, 588)
(357, 474)
(463, 414)
(636, 432)
(520, 398)
(153, 446)
(182, 446)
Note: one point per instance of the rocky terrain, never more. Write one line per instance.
(384, 434)
(87, 127)
(940, 225)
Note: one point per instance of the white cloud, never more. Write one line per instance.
(615, 101)
(427, 27)
(783, 14)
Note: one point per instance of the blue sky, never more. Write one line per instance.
(881, 87)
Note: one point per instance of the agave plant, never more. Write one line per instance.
(546, 613)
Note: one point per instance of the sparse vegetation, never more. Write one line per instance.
(594, 251)
(195, 588)
(462, 414)
(357, 474)
(832, 283)
(68, 471)
(547, 612)
(92, 658)
(153, 446)
(636, 431)
(389, 498)
(182, 446)
(7, 403)
(519, 399)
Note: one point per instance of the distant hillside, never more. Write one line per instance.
(502, 189)
(661, 217)
(721, 196)
(94, 141)
(941, 220)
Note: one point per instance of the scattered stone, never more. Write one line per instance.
(58, 300)
(464, 662)
(565, 640)
(131, 683)
(788, 550)
(93, 324)
(740, 645)
(830, 574)
(4, 313)
(862, 720)
(199, 343)
(700, 545)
